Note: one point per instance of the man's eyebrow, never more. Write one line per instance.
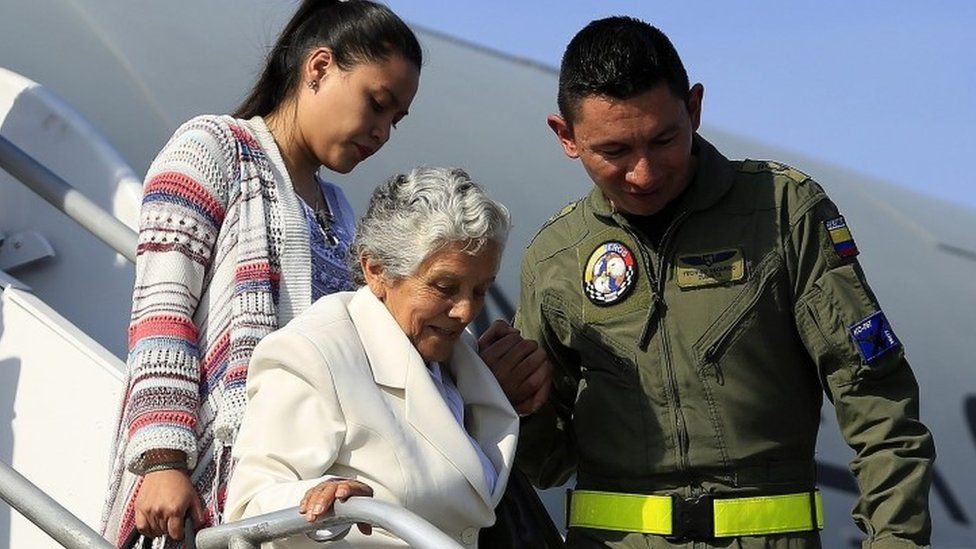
(606, 142)
(670, 128)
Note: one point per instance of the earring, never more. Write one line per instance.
(313, 85)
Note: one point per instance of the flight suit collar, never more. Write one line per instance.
(713, 179)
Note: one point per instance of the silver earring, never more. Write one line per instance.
(313, 85)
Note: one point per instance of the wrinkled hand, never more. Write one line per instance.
(319, 499)
(163, 501)
(520, 366)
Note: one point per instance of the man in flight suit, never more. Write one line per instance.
(695, 310)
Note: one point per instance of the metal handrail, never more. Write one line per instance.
(251, 532)
(47, 514)
(72, 533)
(49, 186)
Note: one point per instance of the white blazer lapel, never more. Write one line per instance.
(431, 416)
(396, 363)
(388, 350)
(489, 416)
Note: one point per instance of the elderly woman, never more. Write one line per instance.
(380, 391)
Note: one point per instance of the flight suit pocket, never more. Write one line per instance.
(728, 326)
(599, 352)
(747, 370)
(831, 317)
(609, 387)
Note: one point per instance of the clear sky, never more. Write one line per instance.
(884, 88)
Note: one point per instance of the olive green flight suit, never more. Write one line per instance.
(708, 376)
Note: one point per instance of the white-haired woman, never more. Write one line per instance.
(378, 391)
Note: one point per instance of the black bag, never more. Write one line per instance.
(520, 519)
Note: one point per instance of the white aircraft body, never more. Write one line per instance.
(93, 89)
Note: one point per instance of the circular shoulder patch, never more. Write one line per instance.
(610, 273)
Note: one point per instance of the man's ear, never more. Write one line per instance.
(564, 132)
(695, 96)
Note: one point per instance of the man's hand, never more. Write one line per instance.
(520, 366)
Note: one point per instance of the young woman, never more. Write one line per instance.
(237, 236)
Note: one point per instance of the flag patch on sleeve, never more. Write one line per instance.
(873, 336)
(841, 237)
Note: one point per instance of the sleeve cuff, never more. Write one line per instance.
(890, 542)
(160, 438)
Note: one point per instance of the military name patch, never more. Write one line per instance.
(841, 237)
(709, 269)
(610, 273)
(873, 336)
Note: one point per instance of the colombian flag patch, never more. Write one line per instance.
(840, 237)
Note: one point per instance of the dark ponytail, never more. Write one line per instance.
(357, 31)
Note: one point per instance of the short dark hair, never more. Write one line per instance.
(618, 57)
(357, 31)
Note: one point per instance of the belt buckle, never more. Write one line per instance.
(692, 519)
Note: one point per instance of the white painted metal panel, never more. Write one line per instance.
(85, 281)
(59, 394)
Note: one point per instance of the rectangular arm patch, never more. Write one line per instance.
(840, 237)
(873, 336)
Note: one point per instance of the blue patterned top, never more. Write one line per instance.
(330, 271)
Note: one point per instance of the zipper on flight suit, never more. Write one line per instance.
(680, 424)
(658, 304)
(708, 357)
(656, 301)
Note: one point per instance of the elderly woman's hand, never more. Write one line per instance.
(520, 365)
(319, 499)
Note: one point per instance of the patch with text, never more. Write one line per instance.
(841, 237)
(710, 269)
(609, 274)
(873, 336)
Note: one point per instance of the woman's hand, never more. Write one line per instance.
(162, 503)
(319, 499)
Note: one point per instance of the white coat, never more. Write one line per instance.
(341, 391)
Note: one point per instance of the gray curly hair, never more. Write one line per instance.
(413, 215)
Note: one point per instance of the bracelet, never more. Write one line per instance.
(164, 466)
(162, 454)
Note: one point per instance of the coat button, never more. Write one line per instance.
(469, 536)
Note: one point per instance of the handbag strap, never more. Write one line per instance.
(135, 540)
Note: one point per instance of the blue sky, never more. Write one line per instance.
(884, 88)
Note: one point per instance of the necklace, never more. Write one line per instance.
(324, 218)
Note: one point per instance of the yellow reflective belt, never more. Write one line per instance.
(652, 514)
(616, 511)
(766, 515)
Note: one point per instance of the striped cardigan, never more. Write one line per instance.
(222, 261)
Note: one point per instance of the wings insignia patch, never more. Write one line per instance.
(709, 269)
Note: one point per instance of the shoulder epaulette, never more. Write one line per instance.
(771, 166)
(567, 209)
